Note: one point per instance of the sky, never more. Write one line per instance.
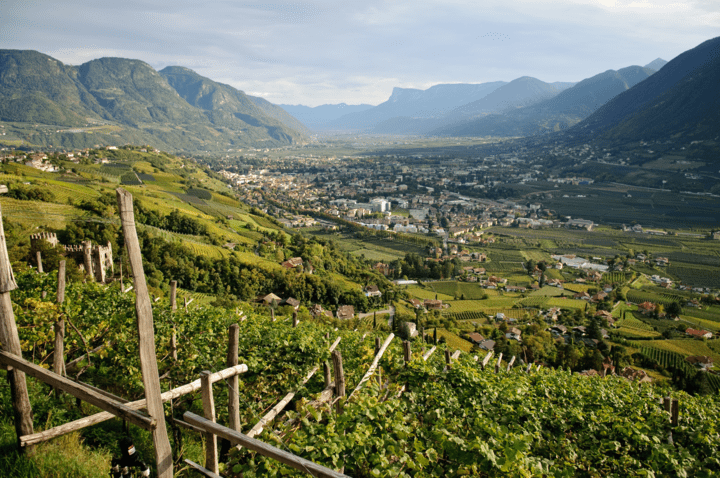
(328, 52)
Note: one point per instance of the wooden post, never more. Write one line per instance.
(447, 357)
(497, 365)
(377, 345)
(173, 345)
(328, 376)
(295, 319)
(510, 364)
(59, 327)
(122, 285)
(339, 377)
(272, 314)
(173, 295)
(407, 352)
(674, 412)
(146, 336)
(211, 451)
(38, 255)
(233, 382)
(186, 303)
(10, 342)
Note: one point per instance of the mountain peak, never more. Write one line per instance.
(656, 64)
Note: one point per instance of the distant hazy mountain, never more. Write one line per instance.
(559, 112)
(520, 92)
(656, 64)
(118, 100)
(316, 117)
(431, 103)
(681, 98)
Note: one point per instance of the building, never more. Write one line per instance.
(345, 312)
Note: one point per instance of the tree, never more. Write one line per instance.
(674, 309)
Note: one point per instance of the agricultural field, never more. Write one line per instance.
(427, 294)
(480, 305)
(547, 291)
(684, 347)
(456, 289)
(31, 213)
(453, 341)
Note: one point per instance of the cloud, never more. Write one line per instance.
(323, 51)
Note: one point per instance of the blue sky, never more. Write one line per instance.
(317, 52)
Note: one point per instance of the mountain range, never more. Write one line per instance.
(117, 101)
(522, 107)
(682, 99)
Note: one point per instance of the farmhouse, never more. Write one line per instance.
(698, 334)
(346, 312)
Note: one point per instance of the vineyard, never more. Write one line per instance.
(639, 296)
(672, 360)
(450, 420)
(474, 316)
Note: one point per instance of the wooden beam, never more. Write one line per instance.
(280, 406)
(80, 391)
(373, 366)
(31, 439)
(264, 449)
(71, 364)
(429, 353)
(407, 352)
(486, 359)
(10, 342)
(146, 336)
(201, 469)
(38, 256)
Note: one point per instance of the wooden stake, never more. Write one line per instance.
(38, 256)
(211, 450)
(675, 412)
(59, 327)
(328, 376)
(377, 345)
(510, 364)
(233, 382)
(10, 342)
(407, 352)
(447, 358)
(173, 345)
(497, 365)
(339, 377)
(173, 295)
(295, 319)
(146, 334)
